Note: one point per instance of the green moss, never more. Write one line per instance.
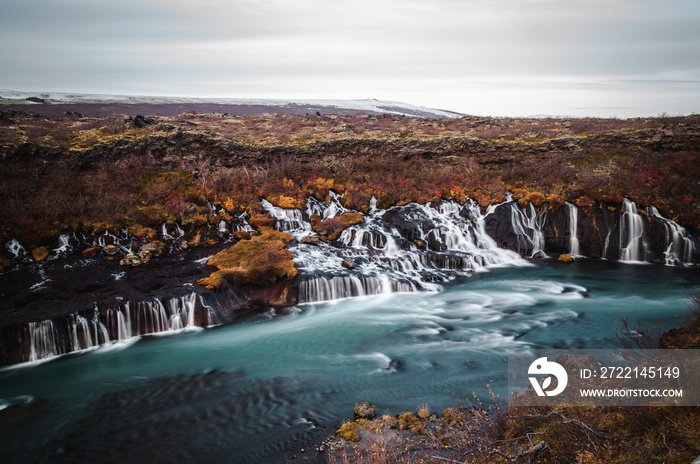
(350, 431)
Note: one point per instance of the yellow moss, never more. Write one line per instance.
(257, 261)
(142, 232)
(406, 421)
(350, 431)
(353, 218)
(564, 258)
(283, 201)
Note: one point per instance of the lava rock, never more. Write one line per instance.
(90, 252)
(139, 121)
(131, 260)
(348, 263)
(365, 410)
(40, 254)
(110, 250)
(311, 240)
(154, 248)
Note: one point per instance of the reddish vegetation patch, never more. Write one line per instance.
(286, 158)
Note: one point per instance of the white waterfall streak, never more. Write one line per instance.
(680, 247)
(121, 324)
(632, 244)
(42, 340)
(572, 219)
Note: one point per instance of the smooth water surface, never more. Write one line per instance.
(259, 391)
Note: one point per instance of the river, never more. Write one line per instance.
(259, 391)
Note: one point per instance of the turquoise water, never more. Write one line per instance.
(258, 391)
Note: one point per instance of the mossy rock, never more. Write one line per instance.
(353, 218)
(565, 258)
(4, 264)
(261, 260)
(40, 254)
(350, 431)
(365, 410)
(241, 235)
(143, 232)
(155, 248)
(261, 220)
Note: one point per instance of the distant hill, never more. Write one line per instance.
(56, 104)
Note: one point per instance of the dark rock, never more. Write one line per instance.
(311, 240)
(500, 227)
(348, 263)
(139, 121)
(90, 252)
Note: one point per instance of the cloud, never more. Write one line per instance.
(419, 50)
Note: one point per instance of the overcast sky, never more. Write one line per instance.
(490, 57)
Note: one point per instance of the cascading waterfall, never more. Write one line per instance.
(131, 320)
(348, 286)
(164, 232)
(64, 245)
(633, 247)
(286, 219)
(443, 241)
(572, 216)
(680, 247)
(527, 225)
(15, 248)
(42, 340)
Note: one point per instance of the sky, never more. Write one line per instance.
(622, 58)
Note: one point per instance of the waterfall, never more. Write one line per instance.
(130, 320)
(164, 232)
(527, 226)
(286, 219)
(222, 227)
(42, 340)
(333, 288)
(680, 247)
(400, 249)
(632, 244)
(64, 245)
(15, 248)
(572, 216)
(241, 223)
